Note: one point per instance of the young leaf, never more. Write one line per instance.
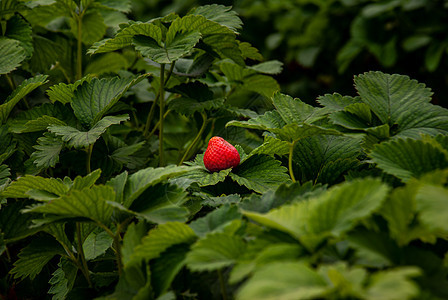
(219, 14)
(124, 37)
(92, 99)
(342, 206)
(268, 67)
(21, 187)
(35, 256)
(87, 203)
(390, 96)
(260, 173)
(96, 244)
(177, 45)
(215, 221)
(138, 182)
(80, 139)
(406, 158)
(284, 280)
(63, 279)
(215, 251)
(11, 55)
(21, 91)
(160, 239)
(47, 151)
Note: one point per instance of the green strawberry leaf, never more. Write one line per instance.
(15, 225)
(27, 86)
(64, 92)
(337, 102)
(63, 279)
(107, 63)
(96, 244)
(93, 99)
(260, 173)
(268, 67)
(80, 139)
(295, 111)
(160, 239)
(219, 14)
(35, 256)
(92, 20)
(407, 158)
(215, 221)
(215, 251)
(11, 55)
(47, 151)
(20, 187)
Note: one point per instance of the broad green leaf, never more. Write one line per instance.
(215, 220)
(4, 174)
(118, 183)
(87, 181)
(337, 102)
(177, 45)
(390, 96)
(220, 38)
(294, 132)
(432, 207)
(15, 225)
(64, 92)
(284, 280)
(247, 51)
(19, 29)
(87, 203)
(138, 182)
(47, 151)
(11, 55)
(219, 14)
(132, 238)
(313, 154)
(195, 97)
(284, 194)
(374, 249)
(165, 268)
(92, 27)
(46, 52)
(160, 239)
(35, 256)
(393, 284)
(215, 251)
(161, 203)
(407, 158)
(80, 139)
(201, 175)
(342, 205)
(20, 187)
(347, 281)
(125, 36)
(57, 230)
(63, 279)
(268, 67)
(269, 120)
(93, 99)
(107, 63)
(260, 173)
(26, 87)
(296, 111)
(96, 244)
(272, 146)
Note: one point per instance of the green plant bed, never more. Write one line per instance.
(104, 193)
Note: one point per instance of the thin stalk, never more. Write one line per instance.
(85, 269)
(162, 108)
(153, 106)
(117, 247)
(291, 172)
(196, 139)
(157, 124)
(79, 49)
(222, 285)
(89, 158)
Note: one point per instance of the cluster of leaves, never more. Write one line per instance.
(100, 197)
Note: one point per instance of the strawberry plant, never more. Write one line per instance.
(159, 160)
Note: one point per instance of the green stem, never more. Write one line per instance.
(117, 247)
(157, 124)
(162, 108)
(85, 269)
(89, 158)
(79, 49)
(291, 172)
(153, 106)
(196, 139)
(222, 284)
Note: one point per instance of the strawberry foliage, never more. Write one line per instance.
(104, 191)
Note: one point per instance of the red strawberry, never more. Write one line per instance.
(220, 155)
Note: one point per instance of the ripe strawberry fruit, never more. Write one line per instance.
(220, 155)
